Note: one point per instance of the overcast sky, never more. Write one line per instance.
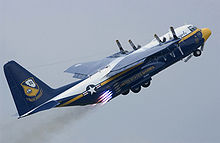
(48, 36)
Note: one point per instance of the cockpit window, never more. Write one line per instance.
(192, 28)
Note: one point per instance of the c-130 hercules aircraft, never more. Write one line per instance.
(100, 81)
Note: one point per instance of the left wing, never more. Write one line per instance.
(123, 59)
(84, 70)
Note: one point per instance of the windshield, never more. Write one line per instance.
(192, 28)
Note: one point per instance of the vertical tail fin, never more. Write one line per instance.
(27, 90)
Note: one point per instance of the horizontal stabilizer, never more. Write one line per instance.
(43, 107)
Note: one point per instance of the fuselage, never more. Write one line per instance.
(133, 69)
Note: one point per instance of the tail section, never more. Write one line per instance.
(27, 90)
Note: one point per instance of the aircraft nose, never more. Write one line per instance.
(206, 32)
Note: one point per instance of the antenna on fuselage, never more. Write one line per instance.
(173, 32)
(157, 38)
(120, 47)
(132, 45)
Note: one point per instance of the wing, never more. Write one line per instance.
(141, 54)
(85, 70)
(123, 61)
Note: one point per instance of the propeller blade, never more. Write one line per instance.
(158, 39)
(120, 47)
(173, 32)
(132, 45)
(187, 59)
(202, 47)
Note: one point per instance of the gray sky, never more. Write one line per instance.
(181, 106)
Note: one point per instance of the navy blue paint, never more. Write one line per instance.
(188, 46)
(15, 75)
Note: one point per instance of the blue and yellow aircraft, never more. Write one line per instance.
(100, 81)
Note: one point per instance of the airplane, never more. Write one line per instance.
(101, 81)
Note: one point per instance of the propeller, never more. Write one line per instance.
(158, 39)
(164, 40)
(175, 37)
(120, 47)
(173, 32)
(132, 45)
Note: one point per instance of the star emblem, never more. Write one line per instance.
(91, 89)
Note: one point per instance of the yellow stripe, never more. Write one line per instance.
(72, 100)
(189, 35)
(119, 74)
(123, 72)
